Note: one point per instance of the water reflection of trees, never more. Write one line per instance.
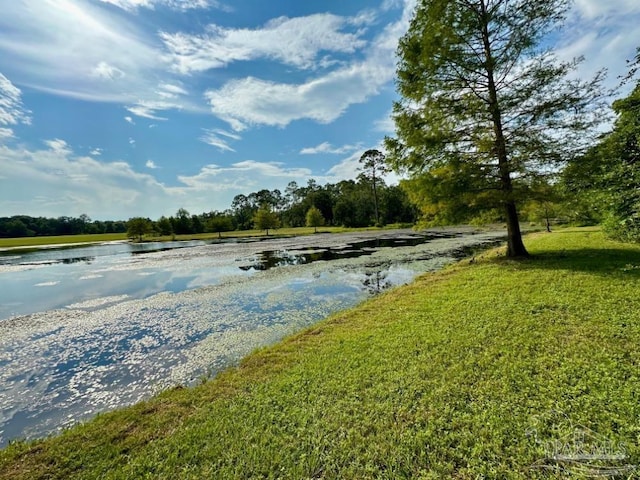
(87, 260)
(376, 282)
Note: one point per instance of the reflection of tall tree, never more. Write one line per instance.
(376, 282)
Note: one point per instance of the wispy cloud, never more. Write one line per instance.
(148, 109)
(385, 124)
(253, 101)
(168, 90)
(602, 32)
(96, 152)
(53, 181)
(248, 172)
(70, 184)
(292, 41)
(107, 56)
(350, 167)
(129, 120)
(174, 4)
(5, 133)
(592, 9)
(107, 72)
(12, 111)
(67, 183)
(326, 147)
(214, 138)
(167, 98)
(58, 146)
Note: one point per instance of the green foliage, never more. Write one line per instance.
(352, 201)
(182, 222)
(138, 227)
(265, 219)
(373, 168)
(26, 226)
(16, 228)
(475, 372)
(164, 226)
(609, 173)
(483, 107)
(354, 207)
(314, 218)
(546, 202)
(395, 206)
(219, 224)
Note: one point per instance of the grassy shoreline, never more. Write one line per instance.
(482, 369)
(62, 240)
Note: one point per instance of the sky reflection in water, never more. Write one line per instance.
(130, 324)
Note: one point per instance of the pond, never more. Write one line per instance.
(88, 329)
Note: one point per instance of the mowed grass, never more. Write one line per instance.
(278, 232)
(107, 237)
(60, 240)
(489, 369)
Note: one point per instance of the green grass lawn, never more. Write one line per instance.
(60, 239)
(489, 369)
(106, 237)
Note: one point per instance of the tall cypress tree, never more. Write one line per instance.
(483, 107)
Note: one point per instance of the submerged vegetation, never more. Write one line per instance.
(490, 368)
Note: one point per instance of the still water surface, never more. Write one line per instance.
(92, 328)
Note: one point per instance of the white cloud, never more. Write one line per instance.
(71, 47)
(57, 145)
(213, 137)
(88, 51)
(592, 9)
(385, 124)
(602, 32)
(326, 147)
(148, 109)
(55, 181)
(253, 101)
(129, 120)
(167, 90)
(6, 133)
(174, 4)
(96, 152)
(292, 41)
(349, 168)
(132, 142)
(12, 111)
(246, 176)
(107, 72)
(168, 98)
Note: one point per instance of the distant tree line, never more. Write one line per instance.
(365, 201)
(26, 226)
(349, 203)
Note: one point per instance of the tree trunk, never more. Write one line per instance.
(546, 218)
(375, 200)
(515, 246)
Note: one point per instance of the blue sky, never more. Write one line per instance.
(120, 108)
